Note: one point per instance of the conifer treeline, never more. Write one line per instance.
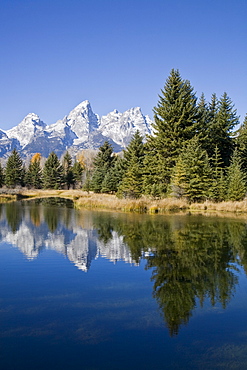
(193, 152)
(54, 175)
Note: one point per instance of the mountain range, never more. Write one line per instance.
(80, 129)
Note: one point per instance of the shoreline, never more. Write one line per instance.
(90, 200)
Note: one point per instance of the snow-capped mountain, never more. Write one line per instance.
(7, 144)
(120, 127)
(29, 127)
(80, 129)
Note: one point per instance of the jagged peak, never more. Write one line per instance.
(32, 116)
(84, 105)
(80, 128)
(134, 110)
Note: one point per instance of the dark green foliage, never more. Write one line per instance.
(114, 176)
(14, 171)
(87, 182)
(33, 175)
(192, 173)
(218, 186)
(210, 141)
(204, 118)
(67, 170)
(51, 218)
(53, 173)
(241, 144)
(77, 171)
(14, 214)
(131, 185)
(176, 122)
(155, 173)
(1, 176)
(236, 189)
(222, 125)
(102, 164)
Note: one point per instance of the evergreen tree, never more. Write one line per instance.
(102, 164)
(14, 171)
(211, 142)
(218, 187)
(241, 144)
(1, 176)
(87, 183)
(192, 174)
(179, 178)
(67, 170)
(204, 117)
(33, 176)
(222, 127)
(131, 185)
(77, 171)
(114, 176)
(53, 173)
(175, 123)
(236, 189)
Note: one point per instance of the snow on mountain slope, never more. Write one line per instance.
(25, 131)
(82, 128)
(120, 127)
(7, 144)
(82, 121)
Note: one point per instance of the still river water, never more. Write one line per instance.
(100, 290)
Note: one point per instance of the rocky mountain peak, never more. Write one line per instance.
(80, 129)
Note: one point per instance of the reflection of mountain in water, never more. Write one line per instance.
(33, 227)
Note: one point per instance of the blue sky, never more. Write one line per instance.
(116, 53)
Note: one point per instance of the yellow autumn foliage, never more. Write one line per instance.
(36, 158)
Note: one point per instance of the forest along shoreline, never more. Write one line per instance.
(90, 200)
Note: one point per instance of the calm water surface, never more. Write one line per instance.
(99, 290)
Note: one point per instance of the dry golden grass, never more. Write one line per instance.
(90, 200)
(132, 205)
(221, 206)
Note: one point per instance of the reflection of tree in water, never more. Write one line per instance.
(51, 218)
(126, 226)
(191, 259)
(35, 215)
(54, 210)
(196, 263)
(14, 213)
(104, 228)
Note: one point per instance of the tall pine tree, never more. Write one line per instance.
(14, 171)
(218, 187)
(131, 185)
(241, 144)
(175, 123)
(192, 174)
(236, 180)
(67, 170)
(114, 176)
(102, 164)
(77, 170)
(222, 125)
(33, 176)
(53, 173)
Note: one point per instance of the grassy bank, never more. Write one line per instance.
(83, 199)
